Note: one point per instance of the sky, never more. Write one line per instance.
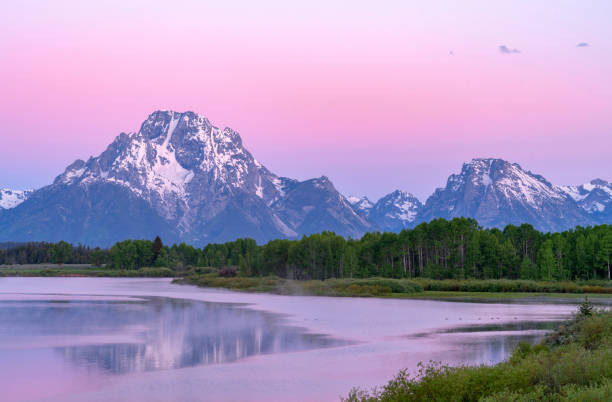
(375, 95)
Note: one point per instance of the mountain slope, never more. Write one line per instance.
(309, 205)
(181, 177)
(497, 193)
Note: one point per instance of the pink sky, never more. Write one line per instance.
(368, 95)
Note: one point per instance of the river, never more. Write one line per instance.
(107, 339)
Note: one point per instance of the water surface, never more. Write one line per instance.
(141, 339)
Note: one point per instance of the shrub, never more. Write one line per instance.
(156, 272)
(228, 272)
(586, 308)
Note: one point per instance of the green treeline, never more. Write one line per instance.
(56, 253)
(440, 249)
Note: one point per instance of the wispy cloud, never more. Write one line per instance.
(506, 50)
(582, 44)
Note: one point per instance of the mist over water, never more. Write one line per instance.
(108, 339)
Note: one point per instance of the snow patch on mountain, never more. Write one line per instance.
(362, 204)
(11, 198)
(395, 211)
(594, 197)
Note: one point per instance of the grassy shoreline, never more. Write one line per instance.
(81, 270)
(372, 287)
(573, 363)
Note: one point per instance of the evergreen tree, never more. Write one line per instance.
(157, 247)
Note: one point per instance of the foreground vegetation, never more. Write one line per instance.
(457, 249)
(573, 363)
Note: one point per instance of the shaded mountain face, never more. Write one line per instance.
(309, 205)
(497, 193)
(11, 198)
(594, 197)
(395, 211)
(184, 179)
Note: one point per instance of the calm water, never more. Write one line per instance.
(139, 339)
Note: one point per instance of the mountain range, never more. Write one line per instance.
(186, 180)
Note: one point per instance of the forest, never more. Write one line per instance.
(440, 249)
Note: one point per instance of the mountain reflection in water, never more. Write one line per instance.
(154, 334)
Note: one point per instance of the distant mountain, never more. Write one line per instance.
(363, 204)
(11, 198)
(395, 211)
(314, 204)
(594, 197)
(497, 193)
(181, 178)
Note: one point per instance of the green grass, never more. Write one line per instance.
(331, 287)
(519, 286)
(475, 296)
(80, 270)
(375, 287)
(573, 363)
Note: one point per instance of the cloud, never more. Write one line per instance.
(582, 44)
(506, 50)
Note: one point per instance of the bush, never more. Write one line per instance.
(395, 285)
(204, 270)
(156, 272)
(228, 272)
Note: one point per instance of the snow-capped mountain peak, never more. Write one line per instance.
(396, 211)
(182, 178)
(507, 178)
(361, 204)
(497, 192)
(172, 156)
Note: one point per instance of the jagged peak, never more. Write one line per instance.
(400, 194)
(599, 182)
(360, 203)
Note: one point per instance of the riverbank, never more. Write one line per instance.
(370, 287)
(574, 363)
(399, 288)
(81, 270)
